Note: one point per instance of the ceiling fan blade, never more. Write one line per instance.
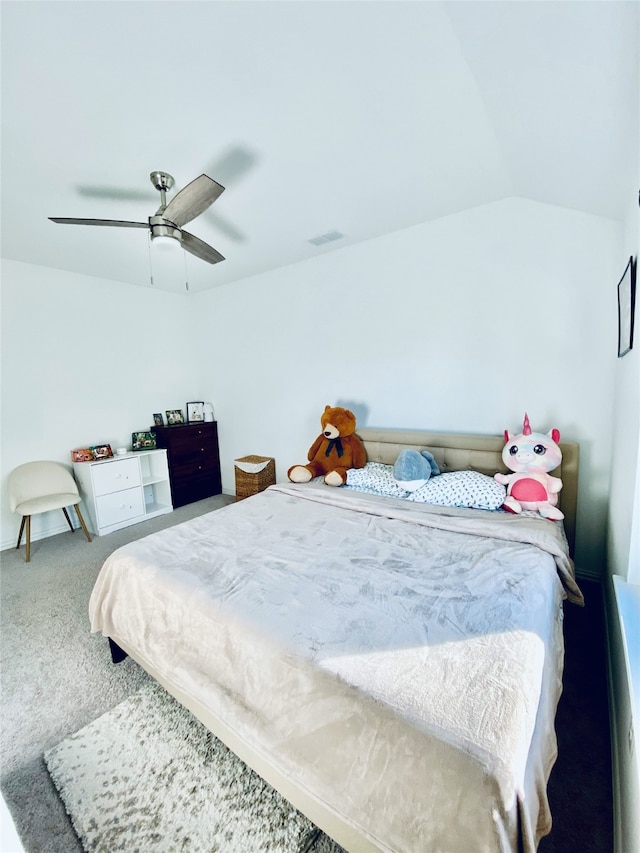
(117, 223)
(200, 249)
(192, 200)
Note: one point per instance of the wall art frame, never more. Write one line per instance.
(626, 308)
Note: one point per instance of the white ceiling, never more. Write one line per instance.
(363, 117)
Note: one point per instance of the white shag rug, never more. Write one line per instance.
(147, 776)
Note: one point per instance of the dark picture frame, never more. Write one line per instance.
(174, 417)
(195, 412)
(144, 440)
(158, 420)
(626, 308)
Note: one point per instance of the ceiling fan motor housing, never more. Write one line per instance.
(161, 227)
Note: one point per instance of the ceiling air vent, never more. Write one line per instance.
(326, 238)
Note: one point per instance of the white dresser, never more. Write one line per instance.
(124, 490)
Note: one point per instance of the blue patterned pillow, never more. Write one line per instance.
(376, 479)
(467, 489)
(462, 489)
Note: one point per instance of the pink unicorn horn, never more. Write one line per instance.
(526, 427)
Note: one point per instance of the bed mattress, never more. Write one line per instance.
(401, 663)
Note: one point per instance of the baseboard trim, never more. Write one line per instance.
(589, 574)
(36, 535)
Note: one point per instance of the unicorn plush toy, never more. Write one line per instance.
(531, 455)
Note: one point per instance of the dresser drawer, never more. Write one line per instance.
(115, 476)
(120, 506)
(196, 463)
(195, 488)
(197, 441)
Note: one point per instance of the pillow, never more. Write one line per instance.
(467, 489)
(376, 478)
(462, 489)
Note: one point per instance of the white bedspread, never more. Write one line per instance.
(405, 675)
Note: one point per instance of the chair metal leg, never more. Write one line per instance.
(24, 518)
(66, 515)
(28, 551)
(81, 520)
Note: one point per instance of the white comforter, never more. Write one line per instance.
(405, 675)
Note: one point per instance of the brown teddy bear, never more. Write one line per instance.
(334, 451)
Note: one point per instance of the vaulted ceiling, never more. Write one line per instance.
(350, 116)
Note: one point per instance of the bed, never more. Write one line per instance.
(391, 667)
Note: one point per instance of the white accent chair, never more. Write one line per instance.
(37, 487)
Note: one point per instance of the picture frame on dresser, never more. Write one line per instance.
(101, 451)
(143, 440)
(195, 412)
(175, 417)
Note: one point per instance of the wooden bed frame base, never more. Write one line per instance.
(321, 815)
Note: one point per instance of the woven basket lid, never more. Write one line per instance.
(252, 464)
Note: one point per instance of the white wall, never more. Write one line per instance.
(460, 324)
(85, 361)
(623, 559)
(625, 460)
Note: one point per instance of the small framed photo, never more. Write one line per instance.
(158, 420)
(195, 412)
(626, 308)
(143, 441)
(101, 451)
(82, 454)
(175, 416)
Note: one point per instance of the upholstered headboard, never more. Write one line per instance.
(483, 453)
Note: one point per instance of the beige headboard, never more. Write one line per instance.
(483, 453)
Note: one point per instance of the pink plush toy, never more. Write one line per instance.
(531, 455)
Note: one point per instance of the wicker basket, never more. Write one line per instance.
(253, 475)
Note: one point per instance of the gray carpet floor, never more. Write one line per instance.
(57, 678)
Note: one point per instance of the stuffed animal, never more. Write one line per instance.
(334, 451)
(413, 469)
(531, 455)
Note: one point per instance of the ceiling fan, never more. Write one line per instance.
(168, 220)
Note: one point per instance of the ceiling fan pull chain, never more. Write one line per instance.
(186, 275)
(150, 262)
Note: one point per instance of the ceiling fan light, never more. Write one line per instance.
(163, 240)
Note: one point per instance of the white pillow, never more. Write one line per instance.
(458, 489)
